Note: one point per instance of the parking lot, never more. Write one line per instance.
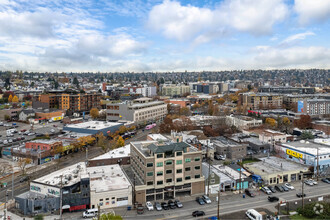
(25, 132)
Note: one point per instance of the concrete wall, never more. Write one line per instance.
(109, 161)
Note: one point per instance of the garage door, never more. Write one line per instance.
(122, 201)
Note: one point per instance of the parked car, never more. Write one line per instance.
(309, 183)
(266, 190)
(285, 188)
(206, 199)
(10, 141)
(24, 178)
(178, 203)
(140, 209)
(249, 193)
(22, 138)
(165, 206)
(272, 199)
(30, 134)
(39, 135)
(171, 204)
(289, 186)
(272, 188)
(149, 206)
(23, 130)
(1, 141)
(5, 142)
(313, 181)
(323, 180)
(279, 188)
(299, 195)
(200, 201)
(218, 157)
(158, 206)
(198, 213)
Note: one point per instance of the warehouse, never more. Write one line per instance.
(305, 152)
(94, 127)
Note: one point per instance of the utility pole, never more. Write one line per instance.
(240, 179)
(317, 167)
(302, 189)
(98, 212)
(86, 155)
(61, 198)
(208, 179)
(12, 183)
(5, 210)
(219, 200)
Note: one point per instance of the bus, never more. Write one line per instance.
(148, 127)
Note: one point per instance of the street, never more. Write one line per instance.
(229, 203)
(44, 169)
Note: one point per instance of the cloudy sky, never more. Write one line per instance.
(155, 35)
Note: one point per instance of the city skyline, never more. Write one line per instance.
(165, 35)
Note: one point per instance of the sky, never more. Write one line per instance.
(159, 36)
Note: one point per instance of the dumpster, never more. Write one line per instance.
(129, 208)
(243, 196)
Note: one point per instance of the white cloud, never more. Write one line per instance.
(312, 10)
(176, 21)
(296, 37)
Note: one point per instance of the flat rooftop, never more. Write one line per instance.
(107, 178)
(266, 132)
(116, 153)
(45, 141)
(311, 147)
(157, 137)
(222, 141)
(70, 175)
(93, 125)
(273, 165)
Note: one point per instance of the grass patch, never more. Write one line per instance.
(249, 160)
(298, 217)
(43, 137)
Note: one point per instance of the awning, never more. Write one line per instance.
(66, 207)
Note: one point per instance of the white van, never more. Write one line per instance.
(90, 213)
(253, 214)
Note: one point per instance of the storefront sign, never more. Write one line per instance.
(294, 154)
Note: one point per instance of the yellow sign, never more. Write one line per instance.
(294, 154)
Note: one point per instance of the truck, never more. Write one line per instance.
(58, 118)
(253, 214)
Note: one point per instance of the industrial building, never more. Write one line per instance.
(307, 152)
(93, 127)
(229, 148)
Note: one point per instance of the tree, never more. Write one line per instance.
(76, 82)
(306, 135)
(4, 168)
(102, 142)
(32, 84)
(15, 99)
(286, 123)
(7, 83)
(22, 163)
(120, 141)
(94, 113)
(221, 101)
(184, 111)
(122, 129)
(110, 216)
(271, 122)
(58, 151)
(304, 122)
(7, 117)
(10, 98)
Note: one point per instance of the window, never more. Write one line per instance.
(101, 200)
(187, 169)
(169, 162)
(197, 167)
(179, 171)
(159, 155)
(212, 181)
(178, 162)
(150, 173)
(159, 164)
(197, 158)
(187, 178)
(197, 176)
(107, 199)
(187, 160)
(179, 153)
(160, 182)
(168, 171)
(168, 180)
(150, 164)
(150, 183)
(179, 179)
(160, 173)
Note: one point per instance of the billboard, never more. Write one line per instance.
(301, 106)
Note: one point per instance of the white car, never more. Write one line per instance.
(5, 142)
(30, 134)
(266, 190)
(150, 207)
(289, 186)
(313, 181)
(10, 141)
(206, 199)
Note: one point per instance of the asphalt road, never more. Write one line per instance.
(65, 161)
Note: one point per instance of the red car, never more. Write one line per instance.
(23, 130)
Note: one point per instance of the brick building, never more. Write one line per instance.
(261, 100)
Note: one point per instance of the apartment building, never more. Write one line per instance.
(139, 110)
(228, 148)
(261, 100)
(292, 100)
(314, 106)
(166, 171)
(67, 101)
(175, 90)
(287, 89)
